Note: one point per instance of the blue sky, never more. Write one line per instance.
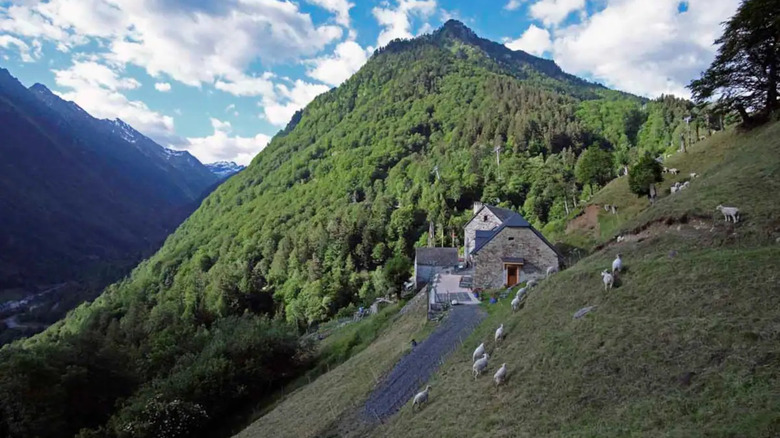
(220, 77)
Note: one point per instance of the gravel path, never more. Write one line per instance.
(413, 370)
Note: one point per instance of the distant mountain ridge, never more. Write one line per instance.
(186, 172)
(80, 193)
(225, 169)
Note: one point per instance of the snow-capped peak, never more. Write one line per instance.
(224, 169)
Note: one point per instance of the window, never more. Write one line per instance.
(511, 239)
(484, 218)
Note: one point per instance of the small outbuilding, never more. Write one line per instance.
(431, 261)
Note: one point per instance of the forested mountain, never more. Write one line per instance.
(325, 218)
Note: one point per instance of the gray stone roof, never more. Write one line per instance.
(509, 219)
(436, 256)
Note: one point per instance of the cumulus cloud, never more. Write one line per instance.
(193, 44)
(553, 12)
(513, 4)
(221, 146)
(279, 109)
(347, 58)
(242, 85)
(339, 7)
(162, 87)
(98, 89)
(396, 22)
(534, 40)
(6, 41)
(644, 47)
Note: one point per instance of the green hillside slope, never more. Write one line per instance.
(686, 345)
(324, 219)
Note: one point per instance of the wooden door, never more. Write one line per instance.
(511, 275)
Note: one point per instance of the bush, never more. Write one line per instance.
(645, 172)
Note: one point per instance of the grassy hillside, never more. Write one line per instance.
(685, 345)
(318, 407)
(733, 169)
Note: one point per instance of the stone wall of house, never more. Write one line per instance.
(485, 221)
(489, 269)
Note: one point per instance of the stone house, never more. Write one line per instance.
(430, 261)
(509, 253)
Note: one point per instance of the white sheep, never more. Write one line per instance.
(613, 208)
(666, 169)
(730, 214)
(500, 375)
(551, 270)
(620, 239)
(480, 365)
(608, 280)
(421, 397)
(499, 333)
(531, 283)
(617, 264)
(521, 292)
(685, 185)
(478, 352)
(515, 304)
(674, 171)
(606, 208)
(675, 187)
(694, 174)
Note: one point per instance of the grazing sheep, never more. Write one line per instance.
(500, 375)
(521, 292)
(480, 365)
(666, 169)
(499, 333)
(478, 352)
(421, 397)
(674, 171)
(551, 270)
(617, 264)
(694, 174)
(730, 214)
(608, 280)
(515, 304)
(531, 283)
(675, 187)
(614, 209)
(685, 185)
(620, 239)
(606, 208)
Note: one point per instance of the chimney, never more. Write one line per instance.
(477, 206)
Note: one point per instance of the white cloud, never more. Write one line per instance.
(513, 4)
(396, 23)
(534, 40)
(6, 41)
(162, 87)
(193, 44)
(339, 7)
(553, 12)
(280, 109)
(98, 89)
(242, 85)
(221, 146)
(644, 47)
(347, 58)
